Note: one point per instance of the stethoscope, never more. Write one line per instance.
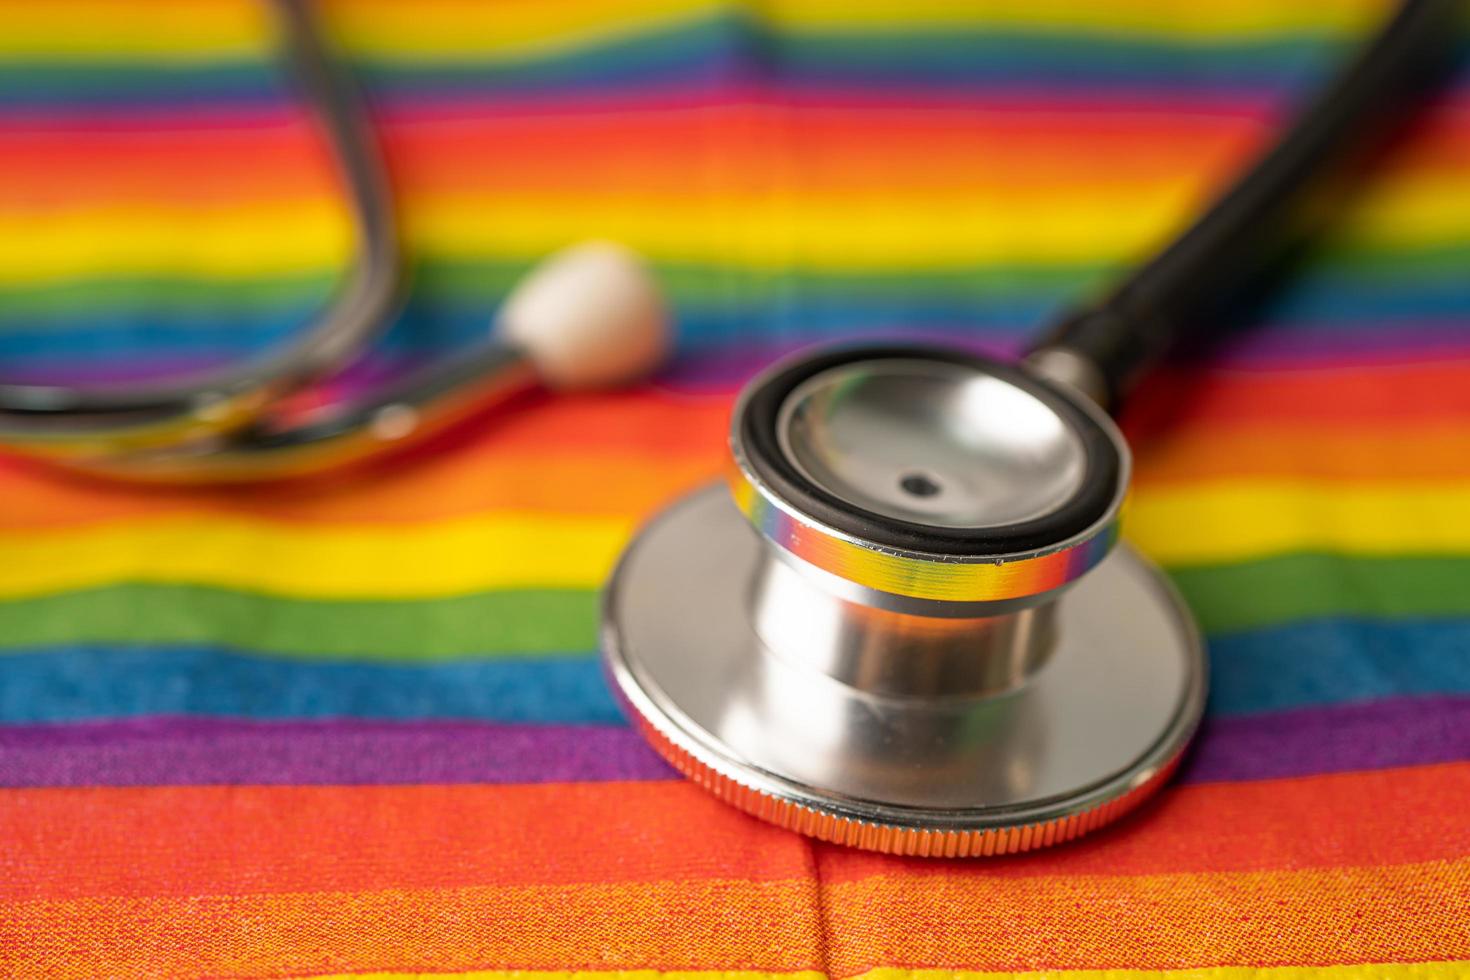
(905, 622)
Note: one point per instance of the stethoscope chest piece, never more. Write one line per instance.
(906, 624)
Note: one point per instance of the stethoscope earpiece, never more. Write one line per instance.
(907, 623)
(589, 316)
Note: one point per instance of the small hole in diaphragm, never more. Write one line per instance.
(918, 485)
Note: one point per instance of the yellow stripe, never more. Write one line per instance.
(472, 30)
(1366, 971)
(900, 230)
(456, 30)
(1211, 523)
(892, 231)
(187, 31)
(179, 32)
(216, 243)
(1199, 19)
(500, 551)
(1234, 521)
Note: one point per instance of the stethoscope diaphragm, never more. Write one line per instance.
(829, 647)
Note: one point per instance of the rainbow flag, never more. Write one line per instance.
(358, 728)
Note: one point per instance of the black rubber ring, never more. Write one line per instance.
(1099, 485)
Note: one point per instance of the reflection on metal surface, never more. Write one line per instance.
(1097, 725)
(885, 652)
(931, 442)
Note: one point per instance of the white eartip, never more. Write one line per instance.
(590, 316)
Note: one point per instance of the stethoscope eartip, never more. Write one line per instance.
(589, 316)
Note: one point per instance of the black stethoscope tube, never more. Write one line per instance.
(1183, 289)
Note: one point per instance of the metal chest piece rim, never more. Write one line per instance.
(831, 670)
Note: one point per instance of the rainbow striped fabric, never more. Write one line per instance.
(358, 728)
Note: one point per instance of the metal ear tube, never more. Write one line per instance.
(591, 315)
(907, 623)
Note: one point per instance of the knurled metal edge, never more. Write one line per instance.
(894, 839)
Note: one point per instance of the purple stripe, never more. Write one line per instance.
(1287, 351)
(188, 751)
(196, 751)
(1365, 735)
(724, 369)
(718, 370)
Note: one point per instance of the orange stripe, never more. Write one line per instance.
(730, 925)
(617, 454)
(639, 449)
(1341, 915)
(747, 148)
(625, 454)
(70, 844)
(476, 481)
(481, 478)
(1382, 454)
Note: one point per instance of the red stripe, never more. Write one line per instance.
(65, 843)
(747, 147)
(1347, 398)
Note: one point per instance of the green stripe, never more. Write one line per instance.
(1226, 598)
(1254, 594)
(167, 295)
(487, 281)
(713, 285)
(633, 41)
(36, 84)
(520, 622)
(960, 51)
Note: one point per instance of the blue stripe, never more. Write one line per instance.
(686, 58)
(140, 338)
(972, 72)
(93, 682)
(57, 90)
(1313, 305)
(1326, 315)
(1266, 670)
(995, 58)
(734, 46)
(1335, 660)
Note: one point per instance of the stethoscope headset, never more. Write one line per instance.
(906, 622)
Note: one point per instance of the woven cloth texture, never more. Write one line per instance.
(357, 726)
